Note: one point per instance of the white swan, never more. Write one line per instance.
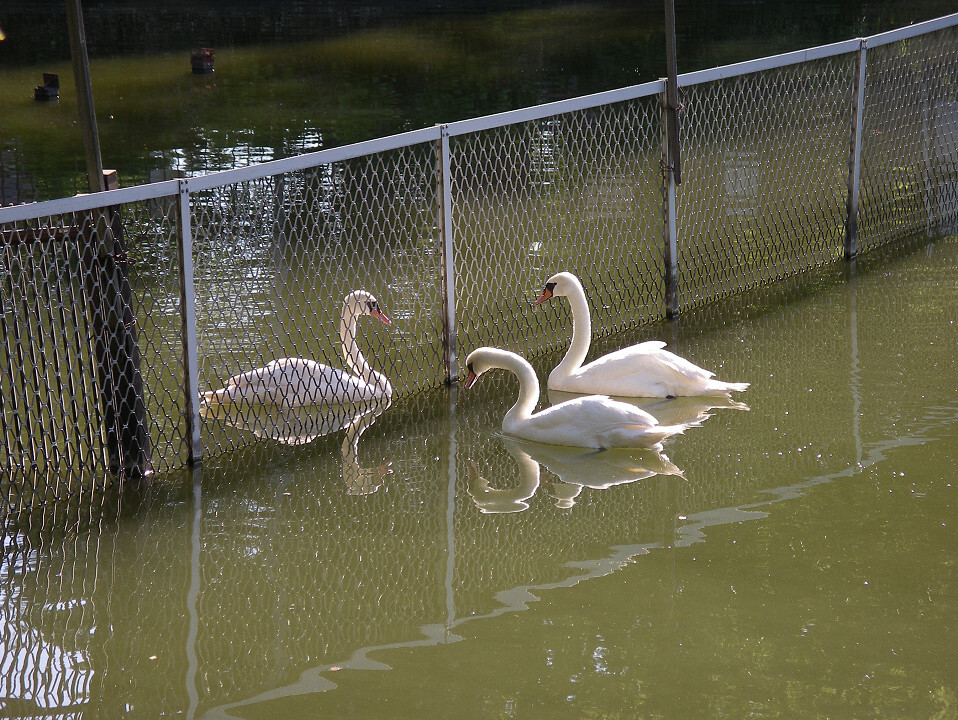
(295, 382)
(593, 421)
(643, 370)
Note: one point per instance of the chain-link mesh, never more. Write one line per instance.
(92, 371)
(98, 346)
(275, 259)
(764, 168)
(576, 192)
(909, 178)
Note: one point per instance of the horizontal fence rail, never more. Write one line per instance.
(137, 322)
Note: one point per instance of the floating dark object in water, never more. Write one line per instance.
(201, 60)
(50, 90)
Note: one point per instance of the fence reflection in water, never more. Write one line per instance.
(289, 573)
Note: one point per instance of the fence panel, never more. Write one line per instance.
(274, 258)
(764, 188)
(90, 357)
(910, 143)
(579, 191)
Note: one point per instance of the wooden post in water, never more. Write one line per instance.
(107, 289)
(84, 90)
(109, 299)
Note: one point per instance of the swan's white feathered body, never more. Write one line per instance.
(687, 410)
(593, 421)
(643, 370)
(296, 382)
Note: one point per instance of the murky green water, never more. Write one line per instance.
(797, 559)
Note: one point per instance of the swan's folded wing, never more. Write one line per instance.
(647, 360)
(683, 367)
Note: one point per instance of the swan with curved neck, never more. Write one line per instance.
(295, 382)
(643, 370)
(593, 421)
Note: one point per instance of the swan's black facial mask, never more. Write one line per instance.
(546, 294)
(373, 307)
(471, 378)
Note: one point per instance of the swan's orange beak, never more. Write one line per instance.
(471, 380)
(546, 295)
(382, 316)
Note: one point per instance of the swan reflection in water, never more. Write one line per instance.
(689, 411)
(575, 469)
(492, 500)
(302, 425)
(361, 480)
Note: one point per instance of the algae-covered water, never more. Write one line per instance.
(294, 77)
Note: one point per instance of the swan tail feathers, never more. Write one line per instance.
(736, 387)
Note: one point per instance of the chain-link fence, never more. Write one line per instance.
(125, 313)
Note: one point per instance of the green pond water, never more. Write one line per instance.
(293, 77)
(795, 559)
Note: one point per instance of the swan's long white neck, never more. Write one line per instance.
(581, 336)
(354, 356)
(528, 387)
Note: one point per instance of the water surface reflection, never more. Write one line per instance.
(247, 587)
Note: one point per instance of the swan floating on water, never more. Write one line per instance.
(642, 370)
(296, 382)
(593, 421)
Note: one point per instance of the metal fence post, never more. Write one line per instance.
(448, 257)
(279, 211)
(855, 154)
(188, 323)
(670, 251)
